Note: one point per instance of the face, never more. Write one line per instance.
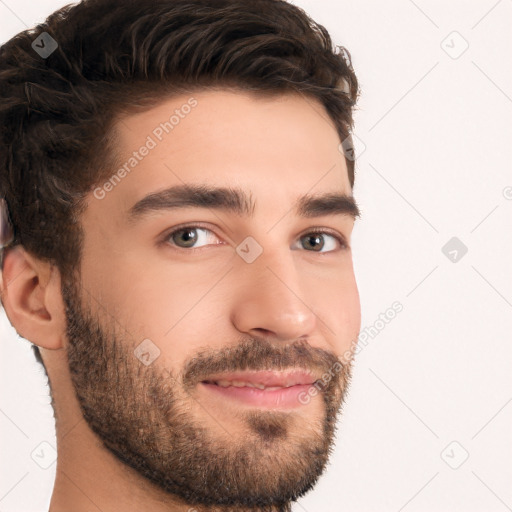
(205, 315)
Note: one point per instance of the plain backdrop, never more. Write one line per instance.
(427, 423)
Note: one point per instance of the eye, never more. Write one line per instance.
(189, 237)
(193, 237)
(317, 241)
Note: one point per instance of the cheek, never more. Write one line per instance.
(178, 311)
(340, 303)
(354, 310)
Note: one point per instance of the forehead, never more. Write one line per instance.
(277, 147)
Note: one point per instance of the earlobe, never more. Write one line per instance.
(32, 298)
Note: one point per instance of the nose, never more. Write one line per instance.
(270, 299)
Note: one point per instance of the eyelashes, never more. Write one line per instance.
(200, 234)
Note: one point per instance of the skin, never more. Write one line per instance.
(128, 433)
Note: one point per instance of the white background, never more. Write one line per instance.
(434, 140)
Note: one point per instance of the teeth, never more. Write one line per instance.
(223, 383)
(241, 384)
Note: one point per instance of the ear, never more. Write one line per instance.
(31, 295)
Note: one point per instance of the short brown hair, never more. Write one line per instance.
(56, 112)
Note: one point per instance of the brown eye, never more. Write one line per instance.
(195, 237)
(191, 237)
(185, 237)
(317, 241)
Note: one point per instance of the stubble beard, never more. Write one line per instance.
(142, 414)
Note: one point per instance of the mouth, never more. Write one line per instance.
(267, 389)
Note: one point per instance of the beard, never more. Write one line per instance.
(151, 419)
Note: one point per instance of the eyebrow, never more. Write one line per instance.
(237, 201)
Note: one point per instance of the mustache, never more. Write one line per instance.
(255, 354)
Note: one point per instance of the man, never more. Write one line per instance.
(177, 179)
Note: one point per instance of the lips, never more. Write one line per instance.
(262, 389)
(265, 379)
